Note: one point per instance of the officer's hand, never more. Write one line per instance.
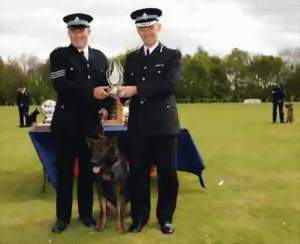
(100, 92)
(104, 113)
(127, 91)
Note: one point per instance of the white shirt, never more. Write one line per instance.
(85, 52)
(151, 49)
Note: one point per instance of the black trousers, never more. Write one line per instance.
(23, 113)
(278, 105)
(146, 150)
(70, 147)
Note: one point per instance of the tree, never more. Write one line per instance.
(237, 70)
(265, 73)
(292, 86)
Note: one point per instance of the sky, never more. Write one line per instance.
(35, 27)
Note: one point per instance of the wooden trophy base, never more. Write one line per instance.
(116, 114)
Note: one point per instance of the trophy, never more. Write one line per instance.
(114, 76)
(47, 109)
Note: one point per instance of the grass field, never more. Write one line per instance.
(259, 202)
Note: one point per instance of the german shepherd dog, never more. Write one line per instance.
(289, 113)
(111, 172)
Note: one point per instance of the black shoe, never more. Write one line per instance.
(137, 226)
(167, 228)
(88, 221)
(59, 226)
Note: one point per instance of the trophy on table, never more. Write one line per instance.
(114, 76)
(47, 110)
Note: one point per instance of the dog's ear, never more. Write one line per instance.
(90, 141)
(100, 117)
(100, 130)
(113, 141)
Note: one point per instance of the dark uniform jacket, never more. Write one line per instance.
(153, 111)
(23, 99)
(74, 79)
(277, 94)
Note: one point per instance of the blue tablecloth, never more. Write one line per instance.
(188, 157)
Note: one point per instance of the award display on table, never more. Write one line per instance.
(46, 109)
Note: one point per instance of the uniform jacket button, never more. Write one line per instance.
(62, 106)
(145, 67)
(88, 65)
(168, 106)
(143, 78)
(89, 77)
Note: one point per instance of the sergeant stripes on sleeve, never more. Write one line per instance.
(57, 74)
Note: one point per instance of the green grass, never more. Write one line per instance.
(258, 203)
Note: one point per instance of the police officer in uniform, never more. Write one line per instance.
(23, 105)
(151, 75)
(79, 78)
(278, 100)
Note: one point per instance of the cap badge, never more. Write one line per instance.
(144, 16)
(76, 20)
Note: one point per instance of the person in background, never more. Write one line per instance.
(278, 101)
(23, 105)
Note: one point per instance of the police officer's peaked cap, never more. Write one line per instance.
(146, 16)
(78, 20)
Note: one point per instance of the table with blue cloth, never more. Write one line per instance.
(188, 156)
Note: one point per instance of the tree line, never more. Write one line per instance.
(205, 78)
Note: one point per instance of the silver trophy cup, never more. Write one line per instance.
(114, 76)
(47, 110)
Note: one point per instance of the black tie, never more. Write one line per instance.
(147, 52)
(82, 55)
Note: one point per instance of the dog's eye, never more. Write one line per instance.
(94, 161)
